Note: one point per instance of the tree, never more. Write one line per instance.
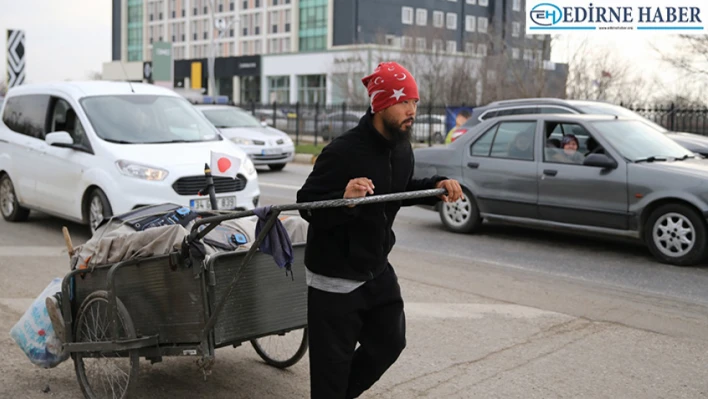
(443, 77)
(689, 55)
(507, 73)
(347, 72)
(601, 74)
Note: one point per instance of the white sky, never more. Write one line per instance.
(64, 39)
(68, 39)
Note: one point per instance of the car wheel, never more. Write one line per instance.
(461, 216)
(676, 234)
(438, 138)
(9, 207)
(276, 166)
(97, 209)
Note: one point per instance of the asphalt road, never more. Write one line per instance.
(621, 264)
(504, 313)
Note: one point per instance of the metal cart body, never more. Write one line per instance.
(175, 305)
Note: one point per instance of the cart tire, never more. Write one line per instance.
(279, 363)
(92, 324)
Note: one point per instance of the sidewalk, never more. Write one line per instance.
(459, 345)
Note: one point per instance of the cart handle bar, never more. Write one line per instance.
(215, 220)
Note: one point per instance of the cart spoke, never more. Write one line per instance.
(107, 375)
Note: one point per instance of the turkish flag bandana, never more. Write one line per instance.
(389, 85)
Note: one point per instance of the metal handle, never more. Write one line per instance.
(550, 172)
(213, 221)
(472, 165)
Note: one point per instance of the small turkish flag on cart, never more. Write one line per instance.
(224, 165)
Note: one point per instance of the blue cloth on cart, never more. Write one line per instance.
(277, 242)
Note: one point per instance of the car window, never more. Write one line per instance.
(142, 119)
(229, 118)
(559, 134)
(64, 119)
(636, 140)
(490, 114)
(518, 111)
(511, 140)
(554, 110)
(483, 145)
(514, 140)
(27, 115)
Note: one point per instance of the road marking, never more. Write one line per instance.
(430, 310)
(278, 185)
(33, 251)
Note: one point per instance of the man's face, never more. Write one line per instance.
(398, 119)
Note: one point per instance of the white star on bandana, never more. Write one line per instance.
(398, 93)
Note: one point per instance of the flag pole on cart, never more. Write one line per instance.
(209, 187)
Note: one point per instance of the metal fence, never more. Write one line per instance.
(676, 119)
(318, 124)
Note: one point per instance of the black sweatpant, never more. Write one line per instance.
(371, 315)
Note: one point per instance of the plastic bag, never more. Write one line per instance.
(35, 335)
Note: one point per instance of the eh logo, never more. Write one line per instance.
(546, 14)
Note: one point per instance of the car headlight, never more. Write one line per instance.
(141, 171)
(287, 140)
(239, 140)
(249, 167)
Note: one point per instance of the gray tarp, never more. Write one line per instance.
(114, 242)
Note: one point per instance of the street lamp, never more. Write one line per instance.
(222, 26)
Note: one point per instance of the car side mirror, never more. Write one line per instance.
(59, 139)
(600, 160)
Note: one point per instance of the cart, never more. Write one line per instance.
(175, 305)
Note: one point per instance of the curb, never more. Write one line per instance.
(308, 159)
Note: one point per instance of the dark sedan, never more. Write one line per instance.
(613, 176)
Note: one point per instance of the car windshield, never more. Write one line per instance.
(147, 119)
(230, 117)
(608, 109)
(637, 141)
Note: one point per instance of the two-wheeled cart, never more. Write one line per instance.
(175, 305)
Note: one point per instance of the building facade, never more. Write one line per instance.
(477, 27)
(308, 50)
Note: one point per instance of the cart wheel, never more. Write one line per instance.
(277, 350)
(107, 375)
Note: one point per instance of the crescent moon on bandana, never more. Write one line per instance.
(391, 69)
(376, 81)
(373, 96)
(404, 76)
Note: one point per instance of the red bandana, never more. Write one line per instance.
(389, 85)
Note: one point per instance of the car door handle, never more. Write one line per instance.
(550, 172)
(472, 165)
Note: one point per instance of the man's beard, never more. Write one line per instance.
(398, 132)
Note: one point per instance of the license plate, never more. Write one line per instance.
(204, 204)
(270, 151)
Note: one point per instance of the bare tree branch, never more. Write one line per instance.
(690, 55)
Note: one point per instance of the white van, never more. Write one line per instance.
(85, 151)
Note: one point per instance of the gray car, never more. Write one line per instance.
(526, 106)
(626, 179)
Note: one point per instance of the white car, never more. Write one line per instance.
(263, 144)
(87, 150)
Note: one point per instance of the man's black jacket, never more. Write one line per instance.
(354, 243)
